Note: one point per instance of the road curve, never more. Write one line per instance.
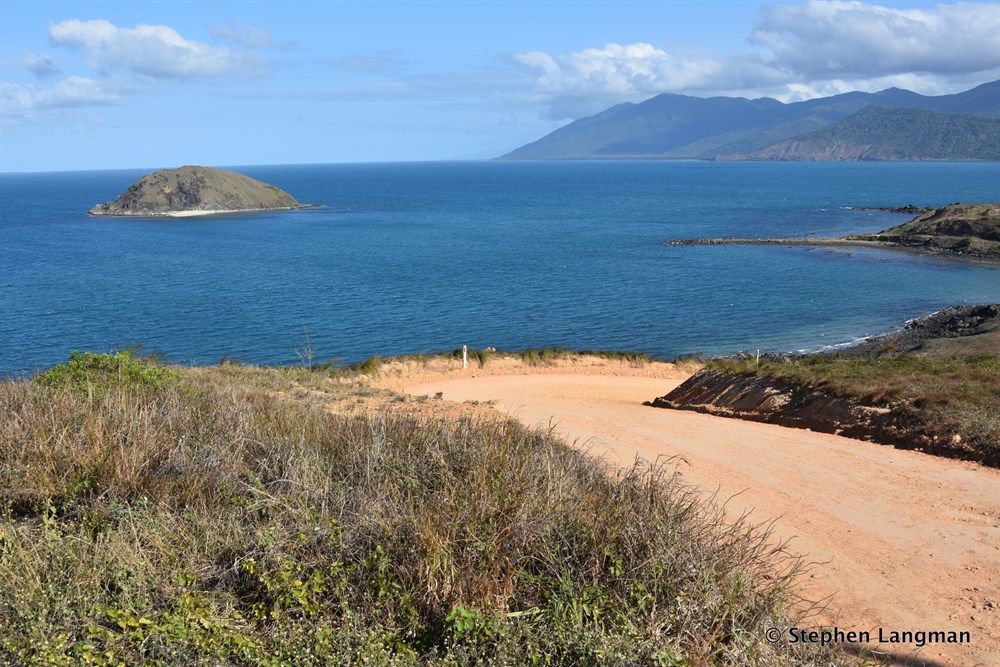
(902, 541)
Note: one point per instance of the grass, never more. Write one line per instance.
(213, 519)
(369, 366)
(546, 355)
(549, 355)
(949, 393)
(635, 359)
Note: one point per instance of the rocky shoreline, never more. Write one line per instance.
(98, 211)
(968, 232)
(949, 323)
(824, 242)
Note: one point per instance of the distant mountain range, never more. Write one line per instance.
(893, 124)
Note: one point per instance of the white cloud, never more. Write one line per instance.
(41, 65)
(155, 51)
(838, 39)
(618, 69)
(244, 34)
(589, 80)
(126, 60)
(797, 51)
(27, 102)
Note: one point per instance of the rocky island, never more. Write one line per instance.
(193, 190)
(956, 230)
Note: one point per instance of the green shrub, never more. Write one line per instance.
(86, 373)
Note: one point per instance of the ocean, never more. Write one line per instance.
(423, 257)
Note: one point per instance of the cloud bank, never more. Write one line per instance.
(795, 52)
(24, 102)
(126, 60)
(154, 51)
(244, 34)
(827, 40)
(40, 65)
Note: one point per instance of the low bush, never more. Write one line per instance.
(87, 372)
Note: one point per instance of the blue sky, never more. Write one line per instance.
(147, 84)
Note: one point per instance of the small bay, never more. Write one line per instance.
(420, 257)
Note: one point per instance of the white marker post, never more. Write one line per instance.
(465, 356)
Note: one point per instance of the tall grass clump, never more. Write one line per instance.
(480, 356)
(369, 366)
(634, 359)
(208, 522)
(544, 356)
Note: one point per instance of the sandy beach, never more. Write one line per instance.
(900, 541)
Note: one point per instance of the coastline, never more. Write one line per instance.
(832, 242)
(805, 485)
(200, 213)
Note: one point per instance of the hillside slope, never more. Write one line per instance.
(884, 133)
(235, 515)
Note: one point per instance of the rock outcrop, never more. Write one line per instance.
(970, 230)
(192, 190)
(787, 402)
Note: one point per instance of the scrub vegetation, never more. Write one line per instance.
(160, 515)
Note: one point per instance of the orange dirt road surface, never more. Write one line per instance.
(902, 541)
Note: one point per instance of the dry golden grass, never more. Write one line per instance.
(229, 518)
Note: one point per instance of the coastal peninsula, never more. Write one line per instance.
(193, 190)
(956, 230)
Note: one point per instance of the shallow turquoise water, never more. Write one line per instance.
(415, 257)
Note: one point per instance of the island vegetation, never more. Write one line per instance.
(193, 190)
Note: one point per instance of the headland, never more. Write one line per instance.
(960, 231)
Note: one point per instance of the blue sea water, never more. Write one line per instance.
(420, 257)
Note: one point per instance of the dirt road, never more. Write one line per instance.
(903, 541)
